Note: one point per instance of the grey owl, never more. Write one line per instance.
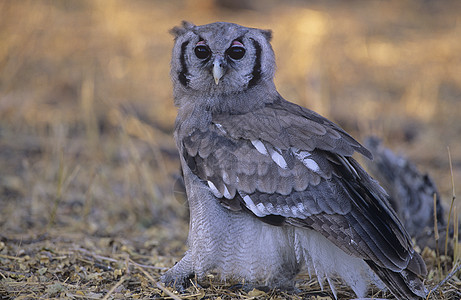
(272, 186)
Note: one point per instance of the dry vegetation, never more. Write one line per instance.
(87, 160)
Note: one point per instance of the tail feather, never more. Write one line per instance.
(417, 265)
(405, 284)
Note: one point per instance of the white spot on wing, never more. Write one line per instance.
(225, 177)
(303, 156)
(269, 207)
(286, 209)
(214, 189)
(300, 206)
(226, 193)
(279, 160)
(301, 209)
(251, 205)
(311, 164)
(261, 208)
(221, 128)
(259, 146)
(274, 153)
(216, 192)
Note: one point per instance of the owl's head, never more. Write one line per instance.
(221, 58)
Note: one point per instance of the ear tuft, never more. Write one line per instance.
(267, 34)
(180, 30)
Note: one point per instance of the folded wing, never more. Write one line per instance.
(287, 165)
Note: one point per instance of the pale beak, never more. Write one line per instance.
(218, 69)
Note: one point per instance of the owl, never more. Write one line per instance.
(272, 186)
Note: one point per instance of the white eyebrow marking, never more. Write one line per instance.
(259, 146)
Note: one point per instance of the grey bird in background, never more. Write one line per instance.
(272, 186)
(411, 193)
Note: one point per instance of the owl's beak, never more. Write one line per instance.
(218, 69)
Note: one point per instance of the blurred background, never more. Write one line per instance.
(86, 110)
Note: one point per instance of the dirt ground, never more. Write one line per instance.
(89, 200)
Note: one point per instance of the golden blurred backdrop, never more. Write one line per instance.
(86, 110)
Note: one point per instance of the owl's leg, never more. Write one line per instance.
(180, 274)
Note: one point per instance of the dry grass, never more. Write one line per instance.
(87, 159)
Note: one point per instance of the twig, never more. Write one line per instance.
(436, 236)
(452, 273)
(146, 266)
(165, 290)
(97, 256)
(455, 236)
(10, 257)
(112, 290)
(451, 205)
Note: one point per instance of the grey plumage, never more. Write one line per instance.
(272, 186)
(411, 193)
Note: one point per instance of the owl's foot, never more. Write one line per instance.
(176, 280)
(180, 275)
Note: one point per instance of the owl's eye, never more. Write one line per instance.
(202, 51)
(236, 52)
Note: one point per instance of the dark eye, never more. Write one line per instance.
(236, 52)
(202, 51)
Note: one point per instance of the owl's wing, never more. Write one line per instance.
(287, 165)
(284, 124)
